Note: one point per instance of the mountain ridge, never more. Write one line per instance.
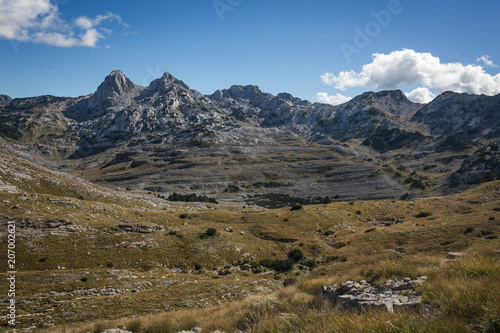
(253, 133)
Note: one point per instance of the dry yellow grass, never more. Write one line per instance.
(463, 294)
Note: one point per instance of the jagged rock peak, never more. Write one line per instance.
(167, 81)
(396, 95)
(394, 102)
(248, 92)
(4, 100)
(117, 82)
(116, 90)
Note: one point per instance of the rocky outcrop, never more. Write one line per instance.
(390, 139)
(4, 100)
(116, 330)
(480, 167)
(463, 115)
(114, 94)
(392, 296)
(359, 117)
(139, 228)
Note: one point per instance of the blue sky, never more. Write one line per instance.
(314, 50)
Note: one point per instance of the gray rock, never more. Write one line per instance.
(392, 296)
(139, 228)
(4, 100)
(116, 330)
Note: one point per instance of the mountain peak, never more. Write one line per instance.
(116, 72)
(117, 90)
(4, 100)
(164, 85)
(394, 102)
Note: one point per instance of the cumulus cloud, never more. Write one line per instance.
(39, 21)
(421, 95)
(486, 60)
(407, 68)
(323, 97)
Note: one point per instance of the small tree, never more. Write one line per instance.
(296, 255)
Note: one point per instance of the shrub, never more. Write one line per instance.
(84, 279)
(327, 200)
(371, 229)
(405, 196)
(312, 263)
(290, 282)
(296, 255)
(211, 232)
(191, 198)
(468, 230)
(109, 264)
(268, 263)
(172, 232)
(283, 265)
(423, 214)
(184, 216)
(296, 207)
(358, 212)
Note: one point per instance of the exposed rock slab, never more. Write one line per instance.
(142, 229)
(392, 296)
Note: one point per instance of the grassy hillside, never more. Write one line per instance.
(82, 259)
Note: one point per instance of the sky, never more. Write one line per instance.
(321, 50)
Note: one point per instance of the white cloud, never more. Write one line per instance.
(84, 22)
(406, 68)
(323, 97)
(486, 60)
(421, 95)
(38, 21)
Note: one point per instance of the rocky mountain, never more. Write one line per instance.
(468, 116)
(480, 167)
(114, 94)
(4, 100)
(168, 137)
(357, 118)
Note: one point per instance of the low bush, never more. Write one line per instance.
(296, 255)
(290, 282)
(423, 214)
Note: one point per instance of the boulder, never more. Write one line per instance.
(392, 296)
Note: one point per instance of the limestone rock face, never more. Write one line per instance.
(392, 296)
(116, 91)
(4, 100)
(114, 94)
(467, 116)
(480, 167)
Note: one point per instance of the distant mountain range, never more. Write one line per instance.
(146, 124)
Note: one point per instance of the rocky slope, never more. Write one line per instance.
(4, 100)
(480, 167)
(468, 116)
(170, 132)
